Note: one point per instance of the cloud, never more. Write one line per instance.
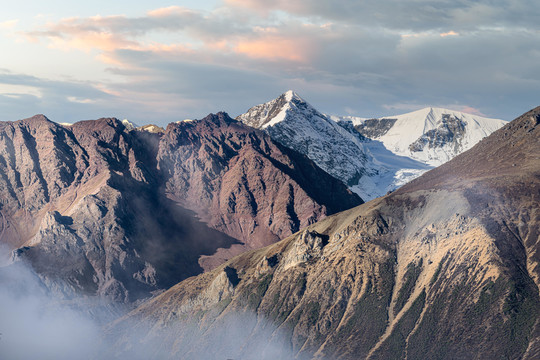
(470, 110)
(35, 324)
(171, 11)
(182, 62)
(272, 47)
(449, 33)
(418, 15)
(40, 323)
(9, 24)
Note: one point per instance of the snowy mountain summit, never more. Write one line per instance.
(371, 156)
(430, 135)
(293, 122)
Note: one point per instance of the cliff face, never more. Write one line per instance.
(120, 213)
(446, 267)
(242, 183)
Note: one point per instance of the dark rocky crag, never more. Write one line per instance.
(447, 267)
(103, 210)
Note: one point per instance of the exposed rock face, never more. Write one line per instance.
(106, 210)
(374, 128)
(446, 267)
(450, 131)
(243, 184)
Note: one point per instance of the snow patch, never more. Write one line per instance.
(129, 125)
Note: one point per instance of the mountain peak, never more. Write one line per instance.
(38, 118)
(218, 118)
(129, 125)
(290, 95)
(275, 111)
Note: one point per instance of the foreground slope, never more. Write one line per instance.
(100, 209)
(446, 267)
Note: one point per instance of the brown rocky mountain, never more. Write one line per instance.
(447, 267)
(94, 207)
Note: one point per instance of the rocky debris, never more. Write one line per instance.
(222, 287)
(450, 131)
(268, 263)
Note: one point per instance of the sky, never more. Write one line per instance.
(162, 61)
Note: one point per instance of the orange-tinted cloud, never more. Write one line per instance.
(8, 25)
(87, 41)
(169, 11)
(449, 33)
(471, 110)
(272, 48)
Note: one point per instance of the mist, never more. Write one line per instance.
(35, 325)
(38, 323)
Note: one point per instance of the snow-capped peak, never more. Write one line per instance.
(435, 135)
(402, 146)
(129, 125)
(290, 95)
(431, 135)
(292, 121)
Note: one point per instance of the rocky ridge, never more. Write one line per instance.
(103, 209)
(293, 122)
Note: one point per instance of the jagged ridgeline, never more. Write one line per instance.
(447, 267)
(105, 209)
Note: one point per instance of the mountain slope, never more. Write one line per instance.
(294, 123)
(446, 267)
(100, 209)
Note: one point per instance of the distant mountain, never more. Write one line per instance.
(446, 267)
(102, 208)
(371, 156)
(430, 135)
(293, 122)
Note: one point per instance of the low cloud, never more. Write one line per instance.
(38, 323)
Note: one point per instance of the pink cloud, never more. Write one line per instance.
(170, 11)
(87, 41)
(8, 25)
(272, 48)
(449, 33)
(471, 110)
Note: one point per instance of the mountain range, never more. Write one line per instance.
(371, 156)
(247, 238)
(102, 209)
(446, 267)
